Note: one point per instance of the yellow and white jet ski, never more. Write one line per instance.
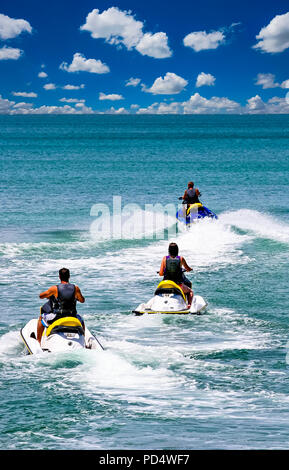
(169, 298)
(64, 334)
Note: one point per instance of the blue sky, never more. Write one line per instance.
(153, 57)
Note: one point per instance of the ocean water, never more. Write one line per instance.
(213, 381)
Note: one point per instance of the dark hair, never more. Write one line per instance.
(173, 249)
(190, 184)
(64, 274)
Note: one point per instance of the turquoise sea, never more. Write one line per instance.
(219, 380)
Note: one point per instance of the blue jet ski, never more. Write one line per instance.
(193, 212)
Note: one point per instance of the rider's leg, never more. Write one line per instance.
(189, 294)
(187, 282)
(40, 329)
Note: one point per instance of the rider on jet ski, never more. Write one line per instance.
(191, 195)
(61, 303)
(171, 269)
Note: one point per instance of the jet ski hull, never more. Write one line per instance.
(195, 212)
(198, 306)
(61, 339)
(169, 299)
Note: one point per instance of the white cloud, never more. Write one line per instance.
(111, 97)
(205, 79)
(255, 104)
(22, 105)
(81, 64)
(11, 53)
(115, 26)
(200, 40)
(154, 45)
(171, 84)
(5, 105)
(162, 108)
(42, 75)
(71, 100)
(133, 81)
(285, 84)
(53, 110)
(112, 110)
(275, 36)
(49, 86)
(267, 80)
(73, 87)
(197, 104)
(25, 94)
(121, 28)
(275, 105)
(10, 27)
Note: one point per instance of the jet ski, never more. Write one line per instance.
(64, 334)
(194, 212)
(169, 298)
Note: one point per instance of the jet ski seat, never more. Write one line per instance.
(194, 207)
(65, 324)
(169, 287)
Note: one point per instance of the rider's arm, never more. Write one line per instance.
(78, 295)
(163, 267)
(185, 195)
(48, 293)
(184, 263)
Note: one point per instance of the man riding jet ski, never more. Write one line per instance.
(191, 195)
(193, 209)
(172, 294)
(59, 327)
(171, 269)
(62, 302)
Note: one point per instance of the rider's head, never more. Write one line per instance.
(173, 249)
(190, 185)
(64, 274)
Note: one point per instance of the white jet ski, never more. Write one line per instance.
(64, 334)
(169, 298)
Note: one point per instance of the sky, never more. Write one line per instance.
(159, 57)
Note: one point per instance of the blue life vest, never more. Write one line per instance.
(192, 197)
(173, 271)
(66, 299)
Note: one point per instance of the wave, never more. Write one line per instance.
(136, 225)
(10, 344)
(11, 250)
(208, 244)
(212, 243)
(261, 225)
